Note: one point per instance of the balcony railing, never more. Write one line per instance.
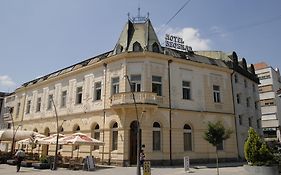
(141, 97)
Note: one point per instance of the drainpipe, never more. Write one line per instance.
(234, 110)
(104, 97)
(170, 111)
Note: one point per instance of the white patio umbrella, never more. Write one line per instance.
(7, 135)
(52, 139)
(80, 139)
(31, 140)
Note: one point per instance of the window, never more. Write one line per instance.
(137, 47)
(187, 137)
(63, 99)
(267, 102)
(157, 85)
(136, 83)
(155, 48)
(236, 78)
(97, 91)
(28, 107)
(18, 110)
(115, 136)
(220, 146)
(248, 102)
(50, 99)
(245, 83)
(186, 90)
(240, 119)
(79, 91)
(250, 121)
(115, 85)
(216, 93)
(97, 135)
(264, 75)
(156, 136)
(258, 124)
(256, 104)
(38, 105)
(254, 87)
(238, 98)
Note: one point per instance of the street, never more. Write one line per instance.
(195, 170)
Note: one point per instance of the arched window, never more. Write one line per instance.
(137, 47)
(187, 137)
(119, 49)
(155, 48)
(96, 135)
(76, 128)
(156, 136)
(114, 136)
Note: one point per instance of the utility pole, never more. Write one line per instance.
(138, 127)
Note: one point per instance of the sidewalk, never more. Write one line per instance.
(209, 169)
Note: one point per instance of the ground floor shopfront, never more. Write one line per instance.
(167, 135)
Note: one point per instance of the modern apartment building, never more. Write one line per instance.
(269, 89)
(245, 95)
(176, 93)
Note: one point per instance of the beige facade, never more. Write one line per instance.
(245, 92)
(175, 99)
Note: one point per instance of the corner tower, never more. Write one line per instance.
(138, 35)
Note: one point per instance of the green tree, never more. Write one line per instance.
(215, 135)
(256, 151)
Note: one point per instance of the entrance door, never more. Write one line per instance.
(133, 143)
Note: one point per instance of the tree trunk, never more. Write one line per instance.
(218, 173)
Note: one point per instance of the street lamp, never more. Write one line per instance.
(13, 140)
(138, 126)
(14, 130)
(57, 139)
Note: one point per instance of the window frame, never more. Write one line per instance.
(216, 94)
(156, 84)
(186, 88)
(187, 137)
(156, 137)
(79, 95)
(97, 91)
(115, 85)
(63, 99)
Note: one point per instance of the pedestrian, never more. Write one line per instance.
(142, 157)
(19, 156)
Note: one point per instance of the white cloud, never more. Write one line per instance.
(191, 37)
(6, 82)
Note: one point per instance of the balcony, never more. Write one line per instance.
(126, 98)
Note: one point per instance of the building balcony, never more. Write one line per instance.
(126, 98)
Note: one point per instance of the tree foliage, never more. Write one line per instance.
(216, 133)
(256, 151)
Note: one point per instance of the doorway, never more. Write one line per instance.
(133, 142)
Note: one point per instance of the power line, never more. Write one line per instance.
(182, 7)
(247, 26)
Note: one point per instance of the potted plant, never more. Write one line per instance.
(43, 164)
(259, 156)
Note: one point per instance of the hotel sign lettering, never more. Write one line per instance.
(175, 42)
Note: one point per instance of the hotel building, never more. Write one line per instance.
(176, 95)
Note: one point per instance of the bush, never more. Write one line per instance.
(256, 151)
(43, 159)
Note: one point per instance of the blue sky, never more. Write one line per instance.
(38, 37)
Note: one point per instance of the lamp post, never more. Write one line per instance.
(14, 130)
(57, 139)
(138, 127)
(13, 140)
